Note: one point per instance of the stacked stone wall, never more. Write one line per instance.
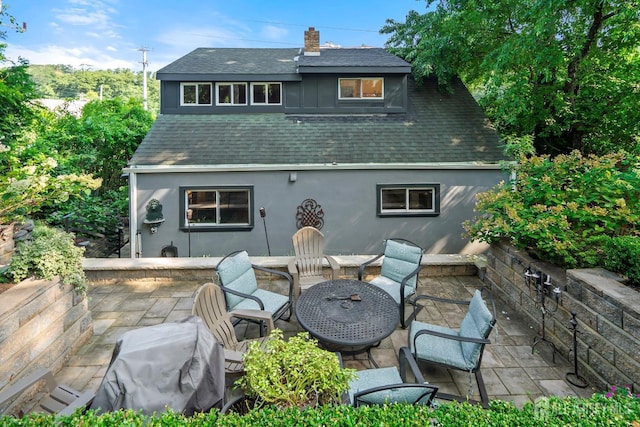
(608, 314)
(42, 324)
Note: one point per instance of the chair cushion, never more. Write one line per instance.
(399, 261)
(392, 288)
(272, 301)
(370, 378)
(237, 273)
(476, 324)
(437, 349)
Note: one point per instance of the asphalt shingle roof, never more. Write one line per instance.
(436, 128)
(233, 61)
(354, 57)
(225, 61)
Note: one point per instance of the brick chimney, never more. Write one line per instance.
(312, 42)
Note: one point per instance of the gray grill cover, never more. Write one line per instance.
(172, 365)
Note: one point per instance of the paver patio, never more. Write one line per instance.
(511, 371)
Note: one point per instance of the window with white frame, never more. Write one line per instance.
(195, 93)
(266, 93)
(223, 207)
(231, 93)
(361, 88)
(408, 199)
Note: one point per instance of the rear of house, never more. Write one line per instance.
(252, 144)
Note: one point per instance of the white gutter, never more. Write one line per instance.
(306, 166)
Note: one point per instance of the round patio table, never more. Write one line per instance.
(347, 315)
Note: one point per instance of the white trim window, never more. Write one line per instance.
(266, 93)
(223, 207)
(231, 93)
(195, 94)
(408, 199)
(361, 88)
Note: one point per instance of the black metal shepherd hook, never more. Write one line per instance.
(263, 214)
(573, 377)
(542, 290)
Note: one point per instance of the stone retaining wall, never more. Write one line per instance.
(608, 314)
(42, 324)
(104, 271)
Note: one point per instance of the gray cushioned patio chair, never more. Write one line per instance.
(237, 279)
(57, 398)
(399, 271)
(307, 266)
(460, 349)
(388, 385)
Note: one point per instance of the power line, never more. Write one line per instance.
(321, 27)
(209, 36)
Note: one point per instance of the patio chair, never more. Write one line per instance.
(209, 305)
(460, 349)
(58, 399)
(237, 279)
(399, 271)
(388, 385)
(307, 266)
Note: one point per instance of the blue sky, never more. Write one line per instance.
(102, 34)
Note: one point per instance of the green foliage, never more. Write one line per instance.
(51, 253)
(616, 409)
(622, 255)
(27, 185)
(562, 209)
(29, 180)
(293, 373)
(112, 130)
(100, 142)
(66, 82)
(17, 90)
(103, 211)
(565, 72)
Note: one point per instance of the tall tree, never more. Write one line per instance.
(17, 89)
(562, 72)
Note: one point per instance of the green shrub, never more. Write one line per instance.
(293, 373)
(50, 253)
(622, 255)
(613, 409)
(564, 209)
(100, 211)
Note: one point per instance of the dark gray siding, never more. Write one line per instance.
(316, 93)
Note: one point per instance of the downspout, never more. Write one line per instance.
(133, 216)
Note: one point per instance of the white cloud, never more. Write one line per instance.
(82, 17)
(78, 57)
(191, 38)
(274, 33)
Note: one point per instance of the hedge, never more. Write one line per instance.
(617, 409)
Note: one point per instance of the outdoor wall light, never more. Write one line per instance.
(154, 216)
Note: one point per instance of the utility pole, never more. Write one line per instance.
(144, 51)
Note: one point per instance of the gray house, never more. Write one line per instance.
(252, 144)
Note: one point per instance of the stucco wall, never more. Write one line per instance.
(348, 200)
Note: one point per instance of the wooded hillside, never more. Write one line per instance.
(66, 82)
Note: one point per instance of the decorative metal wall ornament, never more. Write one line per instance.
(309, 213)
